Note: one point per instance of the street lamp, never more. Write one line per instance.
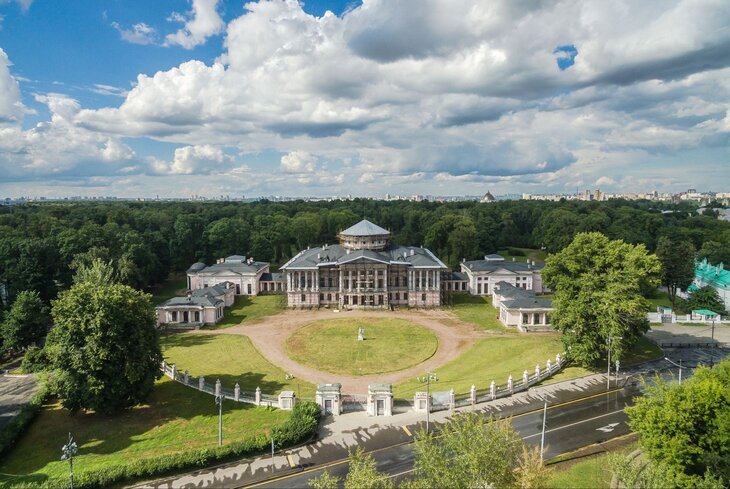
(427, 379)
(219, 401)
(679, 366)
(618, 365)
(68, 451)
(542, 396)
(608, 373)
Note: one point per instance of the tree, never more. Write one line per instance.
(598, 284)
(716, 252)
(705, 298)
(104, 350)
(687, 427)
(362, 474)
(678, 269)
(26, 322)
(96, 271)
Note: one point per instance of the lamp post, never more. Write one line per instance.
(427, 379)
(618, 365)
(219, 401)
(68, 451)
(677, 365)
(608, 372)
(542, 396)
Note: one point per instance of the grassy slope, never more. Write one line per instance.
(176, 419)
(478, 310)
(250, 308)
(660, 298)
(529, 253)
(489, 359)
(590, 473)
(390, 345)
(232, 359)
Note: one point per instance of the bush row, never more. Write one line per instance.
(301, 426)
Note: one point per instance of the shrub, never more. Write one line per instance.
(35, 360)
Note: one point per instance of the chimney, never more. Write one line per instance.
(319, 256)
(190, 296)
(513, 258)
(405, 255)
(412, 252)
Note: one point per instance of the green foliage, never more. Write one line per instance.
(300, 427)
(363, 473)
(34, 360)
(598, 286)
(716, 251)
(26, 322)
(687, 427)
(94, 271)
(705, 298)
(104, 349)
(640, 474)
(325, 481)
(678, 268)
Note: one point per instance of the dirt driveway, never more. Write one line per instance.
(269, 335)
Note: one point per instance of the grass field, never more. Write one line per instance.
(660, 298)
(528, 254)
(489, 359)
(390, 345)
(249, 308)
(231, 358)
(176, 419)
(478, 310)
(591, 473)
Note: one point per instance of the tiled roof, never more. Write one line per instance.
(196, 267)
(509, 291)
(490, 266)
(716, 276)
(336, 254)
(235, 267)
(456, 276)
(202, 301)
(365, 228)
(272, 277)
(528, 303)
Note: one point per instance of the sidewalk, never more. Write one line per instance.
(338, 434)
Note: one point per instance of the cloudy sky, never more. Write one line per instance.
(220, 97)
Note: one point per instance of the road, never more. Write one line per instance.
(569, 426)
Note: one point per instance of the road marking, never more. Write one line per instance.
(408, 432)
(608, 428)
(575, 424)
(291, 461)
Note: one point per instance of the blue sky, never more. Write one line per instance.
(210, 97)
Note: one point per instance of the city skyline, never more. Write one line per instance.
(214, 97)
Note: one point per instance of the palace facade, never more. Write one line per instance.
(364, 270)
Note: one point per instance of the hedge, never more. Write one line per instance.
(301, 427)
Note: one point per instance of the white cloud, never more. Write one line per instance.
(201, 22)
(297, 162)
(23, 4)
(11, 107)
(605, 181)
(140, 33)
(194, 160)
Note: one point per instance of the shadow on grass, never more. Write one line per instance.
(248, 381)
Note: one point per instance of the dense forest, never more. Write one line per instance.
(41, 244)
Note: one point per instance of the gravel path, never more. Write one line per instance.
(269, 335)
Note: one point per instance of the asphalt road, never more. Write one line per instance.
(568, 426)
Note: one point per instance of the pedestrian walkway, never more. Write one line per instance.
(15, 392)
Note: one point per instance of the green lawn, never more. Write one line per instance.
(489, 359)
(176, 419)
(659, 298)
(231, 358)
(390, 345)
(175, 285)
(478, 310)
(591, 473)
(249, 308)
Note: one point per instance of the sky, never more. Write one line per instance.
(176, 98)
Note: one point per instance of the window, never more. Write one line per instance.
(397, 296)
(405, 296)
(547, 318)
(249, 289)
(346, 300)
(354, 300)
(380, 299)
(479, 288)
(525, 318)
(329, 297)
(174, 316)
(423, 297)
(238, 289)
(536, 318)
(321, 297)
(304, 298)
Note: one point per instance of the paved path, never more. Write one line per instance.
(15, 392)
(270, 334)
(700, 333)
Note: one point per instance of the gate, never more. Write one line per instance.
(354, 402)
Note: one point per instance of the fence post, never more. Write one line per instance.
(201, 383)
(510, 384)
(237, 392)
(452, 400)
(164, 366)
(493, 390)
(557, 360)
(525, 378)
(174, 372)
(186, 377)
(548, 367)
(218, 387)
(537, 371)
(473, 394)
(258, 396)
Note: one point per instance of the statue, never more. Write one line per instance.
(360, 334)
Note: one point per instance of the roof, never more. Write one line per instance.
(239, 268)
(365, 228)
(212, 291)
(528, 303)
(456, 276)
(272, 277)
(337, 255)
(494, 257)
(491, 266)
(704, 312)
(201, 301)
(509, 291)
(196, 266)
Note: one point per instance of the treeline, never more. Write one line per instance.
(42, 244)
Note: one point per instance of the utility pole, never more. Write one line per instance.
(427, 380)
(68, 451)
(544, 420)
(219, 400)
(608, 370)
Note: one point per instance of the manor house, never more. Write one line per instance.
(364, 270)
